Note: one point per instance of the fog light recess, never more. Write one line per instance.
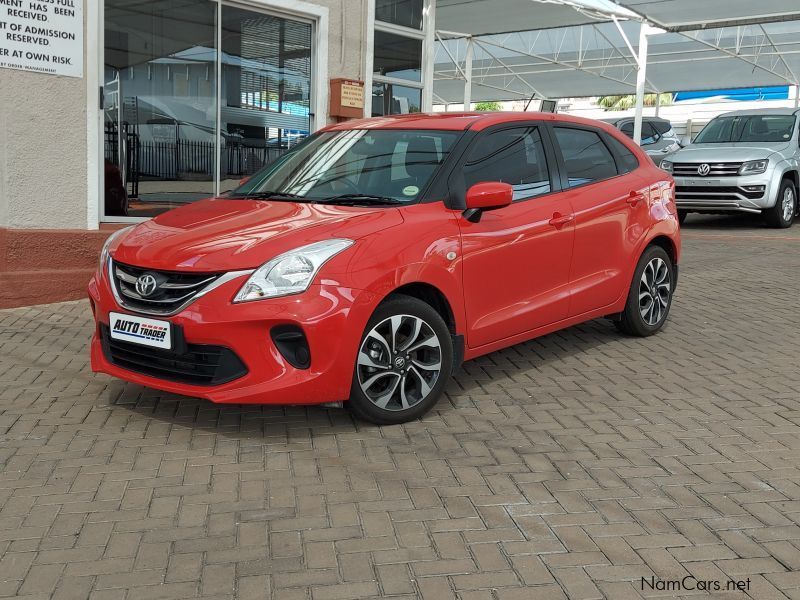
(291, 342)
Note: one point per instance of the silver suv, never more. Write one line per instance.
(747, 161)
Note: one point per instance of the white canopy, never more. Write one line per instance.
(524, 49)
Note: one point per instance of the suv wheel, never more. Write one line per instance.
(782, 214)
(404, 361)
(650, 295)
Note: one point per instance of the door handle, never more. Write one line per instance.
(560, 220)
(634, 198)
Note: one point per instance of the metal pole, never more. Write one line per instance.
(641, 76)
(658, 103)
(797, 95)
(468, 75)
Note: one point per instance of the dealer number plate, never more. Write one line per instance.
(141, 330)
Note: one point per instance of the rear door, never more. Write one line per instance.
(516, 260)
(608, 198)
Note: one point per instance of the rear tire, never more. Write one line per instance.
(404, 361)
(782, 214)
(650, 295)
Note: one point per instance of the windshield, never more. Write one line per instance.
(389, 164)
(747, 128)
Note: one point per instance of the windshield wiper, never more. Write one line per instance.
(270, 196)
(360, 200)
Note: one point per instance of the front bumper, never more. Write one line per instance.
(750, 194)
(331, 316)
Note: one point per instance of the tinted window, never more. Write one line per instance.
(626, 160)
(514, 156)
(585, 155)
(649, 134)
(662, 127)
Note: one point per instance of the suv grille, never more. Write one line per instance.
(173, 290)
(194, 364)
(728, 169)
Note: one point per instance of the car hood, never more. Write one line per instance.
(225, 235)
(738, 152)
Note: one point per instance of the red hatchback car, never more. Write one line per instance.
(372, 259)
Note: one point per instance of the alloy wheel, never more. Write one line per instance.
(399, 362)
(787, 204)
(655, 288)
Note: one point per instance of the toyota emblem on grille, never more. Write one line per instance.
(146, 285)
(703, 170)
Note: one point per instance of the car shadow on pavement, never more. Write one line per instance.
(724, 221)
(490, 374)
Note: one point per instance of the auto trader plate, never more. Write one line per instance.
(141, 330)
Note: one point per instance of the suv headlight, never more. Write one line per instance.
(104, 254)
(754, 167)
(666, 165)
(291, 272)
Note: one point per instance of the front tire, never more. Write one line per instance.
(650, 295)
(404, 361)
(782, 214)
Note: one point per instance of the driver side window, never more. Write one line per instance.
(514, 156)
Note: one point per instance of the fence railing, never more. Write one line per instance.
(185, 159)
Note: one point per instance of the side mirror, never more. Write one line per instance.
(489, 195)
(686, 140)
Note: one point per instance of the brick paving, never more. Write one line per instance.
(570, 466)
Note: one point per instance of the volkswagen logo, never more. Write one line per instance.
(146, 285)
(704, 170)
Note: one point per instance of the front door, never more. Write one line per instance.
(516, 259)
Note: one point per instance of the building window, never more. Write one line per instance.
(399, 49)
(197, 96)
(406, 13)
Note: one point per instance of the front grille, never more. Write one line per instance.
(726, 169)
(173, 291)
(717, 192)
(194, 364)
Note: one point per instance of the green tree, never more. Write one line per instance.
(629, 101)
(488, 106)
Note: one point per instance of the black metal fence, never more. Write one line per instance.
(185, 159)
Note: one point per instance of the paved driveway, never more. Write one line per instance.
(574, 465)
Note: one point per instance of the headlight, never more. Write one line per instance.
(101, 265)
(291, 272)
(666, 165)
(754, 167)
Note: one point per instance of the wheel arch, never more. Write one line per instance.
(792, 175)
(431, 295)
(667, 244)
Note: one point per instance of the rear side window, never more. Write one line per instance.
(649, 134)
(514, 156)
(586, 157)
(626, 160)
(662, 127)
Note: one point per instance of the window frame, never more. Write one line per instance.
(562, 167)
(457, 182)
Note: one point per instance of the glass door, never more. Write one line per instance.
(198, 94)
(160, 104)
